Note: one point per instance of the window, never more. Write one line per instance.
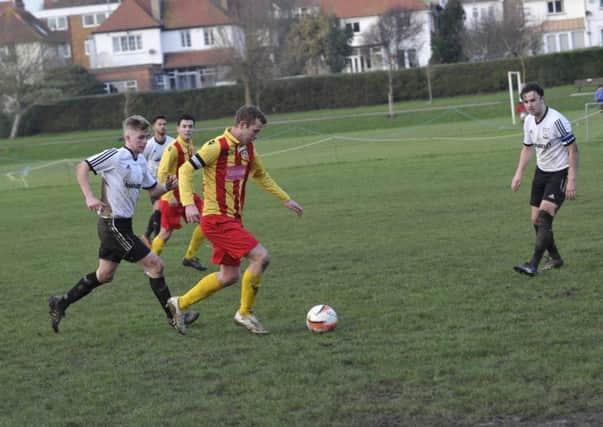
(185, 38)
(551, 44)
(354, 26)
(121, 86)
(88, 47)
(601, 41)
(94, 19)
(577, 39)
(555, 6)
(127, 44)
(57, 23)
(563, 42)
(475, 13)
(208, 37)
(600, 3)
(64, 51)
(413, 61)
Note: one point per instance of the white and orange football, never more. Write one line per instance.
(321, 318)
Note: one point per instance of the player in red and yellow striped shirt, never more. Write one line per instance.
(227, 162)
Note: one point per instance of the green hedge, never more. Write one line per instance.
(312, 93)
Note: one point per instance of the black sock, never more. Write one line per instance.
(162, 292)
(80, 290)
(544, 238)
(150, 225)
(156, 222)
(553, 251)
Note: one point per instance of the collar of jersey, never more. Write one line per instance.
(134, 156)
(229, 136)
(543, 116)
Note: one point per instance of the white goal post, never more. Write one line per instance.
(588, 113)
(512, 99)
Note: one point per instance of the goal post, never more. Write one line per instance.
(512, 99)
(592, 109)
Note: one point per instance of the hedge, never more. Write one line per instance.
(312, 93)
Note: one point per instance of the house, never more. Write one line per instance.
(361, 16)
(594, 22)
(75, 20)
(478, 11)
(31, 39)
(163, 44)
(563, 23)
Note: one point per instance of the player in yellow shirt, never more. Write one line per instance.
(227, 162)
(176, 154)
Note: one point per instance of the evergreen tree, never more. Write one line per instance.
(447, 39)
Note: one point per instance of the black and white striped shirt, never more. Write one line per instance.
(550, 137)
(124, 174)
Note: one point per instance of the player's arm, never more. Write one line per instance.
(264, 180)
(524, 158)
(570, 189)
(82, 171)
(207, 154)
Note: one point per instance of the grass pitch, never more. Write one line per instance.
(410, 232)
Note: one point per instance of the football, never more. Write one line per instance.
(321, 318)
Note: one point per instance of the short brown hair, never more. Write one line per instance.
(136, 122)
(249, 114)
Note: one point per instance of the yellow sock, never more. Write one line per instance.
(249, 290)
(206, 287)
(196, 239)
(157, 245)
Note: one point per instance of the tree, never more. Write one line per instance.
(23, 69)
(74, 80)
(393, 28)
(509, 37)
(257, 28)
(316, 42)
(447, 40)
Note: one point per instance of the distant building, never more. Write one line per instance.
(75, 20)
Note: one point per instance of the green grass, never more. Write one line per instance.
(410, 232)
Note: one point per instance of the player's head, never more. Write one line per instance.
(136, 132)
(185, 126)
(159, 123)
(532, 96)
(249, 121)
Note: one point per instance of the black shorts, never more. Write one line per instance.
(118, 241)
(549, 186)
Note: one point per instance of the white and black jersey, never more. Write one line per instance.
(153, 152)
(124, 174)
(550, 137)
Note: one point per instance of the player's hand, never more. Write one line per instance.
(295, 207)
(94, 204)
(171, 182)
(515, 183)
(570, 191)
(192, 213)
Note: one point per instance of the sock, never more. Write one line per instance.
(158, 245)
(249, 290)
(150, 226)
(162, 292)
(553, 251)
(544, 238)
(80, 290)
(156, 218)
(203, 289)
(196, 239)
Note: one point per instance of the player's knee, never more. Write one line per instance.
(229, 278)
(265, 260)
(104, 277)
(155, 266)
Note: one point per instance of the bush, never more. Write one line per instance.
(312, 93)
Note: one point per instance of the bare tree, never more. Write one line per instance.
(257, 30)
(510, 37)
(23, 69)
(394, 29)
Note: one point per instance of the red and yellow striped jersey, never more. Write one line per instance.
(175, 155)
(226, 166)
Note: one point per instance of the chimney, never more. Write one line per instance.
(156, 9)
